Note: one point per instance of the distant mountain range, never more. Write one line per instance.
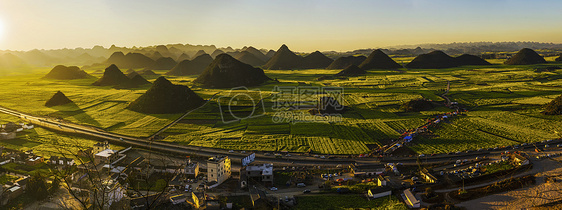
(86, 57)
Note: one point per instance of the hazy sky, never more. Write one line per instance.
(302, 25)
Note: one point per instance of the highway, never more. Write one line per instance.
(236, 156)
(72, 128)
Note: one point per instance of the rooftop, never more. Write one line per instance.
(217, 159)
(267, 169)
(106, 153)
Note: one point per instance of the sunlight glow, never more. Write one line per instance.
(1, 30)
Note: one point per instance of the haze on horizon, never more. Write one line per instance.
(302, 25)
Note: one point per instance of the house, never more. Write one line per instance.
(154, 200)
(263, 173)
(27, 126)
(105, 157)
(212, 204)
(35, 160)
(194, 201)
(111, 192)
(520, 160)
(410, 199)
(139, 165)
(259, 199)
(61, 161)
(22, 182)
(177, 183)
(367, 170)
(10, 193)
(86, 153)
(381, 181)
(218, 169)
(10, 127)
(4, 135)
(100, 146)
(178, 199)
(191, 169)
(427, 176)
(379, 192)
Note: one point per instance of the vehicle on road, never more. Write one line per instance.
(306, 191)
(301, 185)
(273, 189)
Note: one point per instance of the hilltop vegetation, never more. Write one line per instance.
(191, 67)
(66, 73)
(554, 107)
(225, 72)
(112, 76)
(379, 60)
(345, 61)
(58, 99)
(525, 56)
(284, 59)
(166, 98)
(440, 60)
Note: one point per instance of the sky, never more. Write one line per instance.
(304, 25)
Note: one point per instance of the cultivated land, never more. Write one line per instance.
(504, 104)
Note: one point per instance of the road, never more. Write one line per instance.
(296, 158)
(72, 128)
(180, 118)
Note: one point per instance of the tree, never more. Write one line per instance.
(54, 186)
(37, 187)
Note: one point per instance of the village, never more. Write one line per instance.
(134, 178)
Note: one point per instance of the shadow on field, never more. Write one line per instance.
(71, 109)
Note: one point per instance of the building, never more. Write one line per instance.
(520, 160)
(191, 169)
(178, 199)
(22, 182)
(381, 181)
(379, 192)
(105, 157)
(10, 127)
(34, 160)
(4, 135)
(61, 161)
(263, 173)
(410, 199)
(86, 153)
(218, 169)
(11, 193)
(427, 176)
(154, 200)
(100, 146)
(110, 192)
(367, 170)
(259, 199)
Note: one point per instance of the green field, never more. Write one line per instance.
(504, 104)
